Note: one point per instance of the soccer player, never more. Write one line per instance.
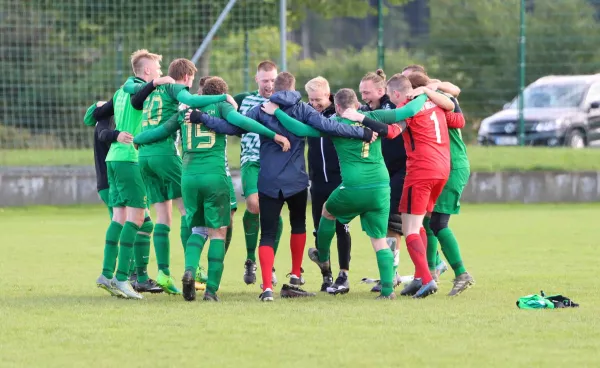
(205, 186)
(126, 190)
(448, 203)
(266, 72)
(160, 162)
(364, 190)
(104, 135)
(373, 93)
(428, 166)
(283, 179)
(434, 84)
(324, 173)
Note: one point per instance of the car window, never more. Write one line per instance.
(593, 94)
(553, 95)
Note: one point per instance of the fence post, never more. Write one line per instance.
(521, 73)
(246, 61)
(283, 34)
(380, 50)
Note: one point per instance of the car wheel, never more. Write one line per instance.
(575, 139)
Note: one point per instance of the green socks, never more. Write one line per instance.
(141, 256)
(251, 225)
(111, 249)
(385, 263)
(324, 236)
(162, 247)
(184, 232)
(216, 255)
(193, 250)
(228, 237)
(451, 250)
(141, 251)
(126, 240)
(432, 244)
(278, 235)
(393, 244)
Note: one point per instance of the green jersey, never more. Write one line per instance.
(361, 163)
(127, 119)
(159, 107)
(250, 142)
(204, 151)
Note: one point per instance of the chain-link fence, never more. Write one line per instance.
(57, 57)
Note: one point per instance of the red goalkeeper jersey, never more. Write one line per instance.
(427, 143)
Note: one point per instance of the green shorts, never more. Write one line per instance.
(449, 200)
(249, 173)
(206, 200)
(232, 198)
(372, 205)
(104, 196)
(162, 177)
(126, 185)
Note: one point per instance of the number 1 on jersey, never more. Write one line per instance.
(438, 135)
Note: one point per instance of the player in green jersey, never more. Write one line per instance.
(160, 162)
(130, 229)
(205, 187)
(448, 203)
(365, 189)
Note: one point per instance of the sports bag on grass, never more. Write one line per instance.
(542, 301)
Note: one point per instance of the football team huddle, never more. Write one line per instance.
(398, 162)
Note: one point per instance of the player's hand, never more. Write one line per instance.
(269, 107)
(163, 80)
(353, 115)
(231, 100)
(415, 92)
(100, 103)
(124, 137)
(283, 142)
(374, 138)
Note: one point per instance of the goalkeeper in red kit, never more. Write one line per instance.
(427, 169)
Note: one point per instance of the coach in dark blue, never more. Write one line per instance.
(283, 179)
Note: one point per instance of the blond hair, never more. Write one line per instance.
(138, 57)
(415, 68)
(345, 98)
(378, 78)
(399, 83)
(179, 68)
(318, 84)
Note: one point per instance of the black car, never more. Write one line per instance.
(558, 111)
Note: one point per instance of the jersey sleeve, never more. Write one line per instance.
(88, 118)
(105, 134)
(296, 127)
(185, 97)
(132, 87)
(455, 120)
(331, 127)
(159, 133)
(137, 100)
(246, 123)
(215, 124)
(402, 113)
(105, 111)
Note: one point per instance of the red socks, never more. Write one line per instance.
(297, 244)
(266, 256)
(423, 238)
(416, 250)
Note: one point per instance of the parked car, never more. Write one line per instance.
(558, 111)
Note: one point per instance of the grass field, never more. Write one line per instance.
(52, 314)
(484, 159)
